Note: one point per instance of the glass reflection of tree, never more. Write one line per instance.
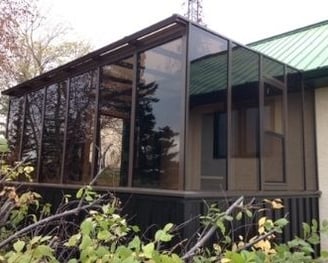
(155, 146)
(80, 128)
(52, 143)
(32, 131)
(15, 128)
(115, 108)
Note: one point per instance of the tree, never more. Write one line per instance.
(30, 45)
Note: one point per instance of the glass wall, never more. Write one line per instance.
(294, 151)
(33, 128)
(207, 127)
(273, 122)
(80, 128)
(158, 116)
(53, 133)
(244, 119)
(250, 125)
(15, 127)
(114, 122)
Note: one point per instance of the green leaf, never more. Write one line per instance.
(135, 244)
(239, 216)
(281, 222)
(86, 242)
(103, 235)
(35, 240)
(161, 235)
(221, 226)
(168, 227)
(86, 227)
(306, 229)
(73, 240)
(43, 251)
(148, 250)
(80, 193)
(73, 260)
(19, 245)
(102, 251)
(248, 213)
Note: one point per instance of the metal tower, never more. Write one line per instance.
(194, 10)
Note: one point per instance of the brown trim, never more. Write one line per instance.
(23, 129)
(229, 115)
(41, 135)
(133, 109)
(7, 117)
(68, 90)
(97, 72)
(261, 125)
(176, 193)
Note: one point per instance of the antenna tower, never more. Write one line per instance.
(195, 11)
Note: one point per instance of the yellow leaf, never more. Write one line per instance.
(261, 230)
(276, 205)
(262, 221)
(225, 260)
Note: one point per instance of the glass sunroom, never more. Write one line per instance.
(172, 115)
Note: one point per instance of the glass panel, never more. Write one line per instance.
(273, 69)
(207, 146)
(33, 127)
(158, 116)
(273, 109)
(114, 125)
(15, 127)
(53, 133)
(273, 144)
(309, 140)
(78, 157)
(244, 120)
(273, 157)
(295, 162)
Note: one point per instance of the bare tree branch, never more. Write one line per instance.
(211, 231)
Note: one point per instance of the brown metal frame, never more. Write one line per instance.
(41, 135)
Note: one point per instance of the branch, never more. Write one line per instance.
(259, 238)
(211, 231)
(45, 221)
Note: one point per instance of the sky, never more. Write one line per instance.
(103, 21)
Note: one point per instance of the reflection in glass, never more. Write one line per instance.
(53, 133)
(114, 124)
(207, 146)
(273, 109)
(273, 69)
(294, 158)
(273, 144)
(158, 116)
(80, 124)
(15, 127)
(33, 126)
(244, 120)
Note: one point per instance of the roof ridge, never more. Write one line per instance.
(288, 33)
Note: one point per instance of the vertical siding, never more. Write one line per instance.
(321, 108)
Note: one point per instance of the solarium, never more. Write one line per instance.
(174, 114)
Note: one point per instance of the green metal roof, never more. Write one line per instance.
(305, 48)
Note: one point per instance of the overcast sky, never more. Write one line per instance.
(104, 21)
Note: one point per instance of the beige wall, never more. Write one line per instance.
(321, 108)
